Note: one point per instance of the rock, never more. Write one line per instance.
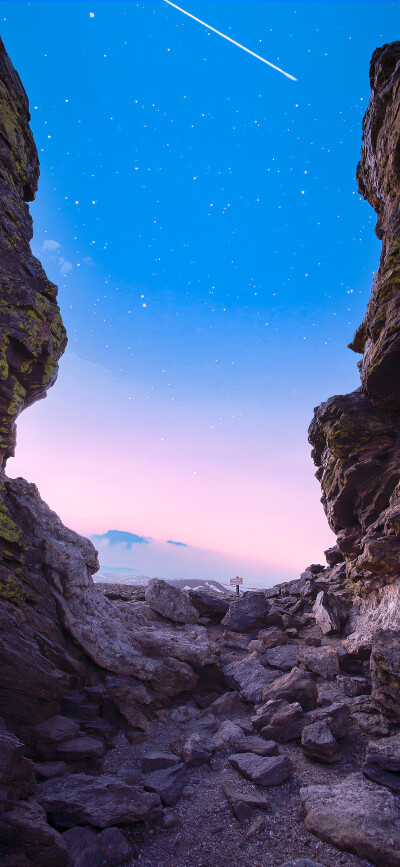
(280, 721)
(100, 801)
(81, 749)
(330, 612)
(336, 716)
(228, 734)
(385, 670)
(385, 753)
(355, 437)
(197, 750)
(156, 761)
(357, 816)
(235, 640)
(311, 641)
(129, 694)
(263, 771)
(256, 827)
(243, 804)
(184, 713)
(170, 602)
(383, 763)
(169, 783)
(56, 729)
(257, 745)
(285, 657)
(272, 637)
(296, 686)
(209, 602)
(256, 646)
(248, 612)
(87, 849)
(204, 701)
(170, 818)
(47, 770)
(26, 838)
(17, 779)
(323, 661)
(250, 677)
(318, 743)
(226, 704)
(333, 555)
(353, 686)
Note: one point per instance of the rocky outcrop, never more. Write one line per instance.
(356, 437)
(32, 335)
(76, 667)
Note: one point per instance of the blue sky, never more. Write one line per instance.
(200, 214)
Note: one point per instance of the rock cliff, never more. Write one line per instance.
(111, 704)
(356, 437)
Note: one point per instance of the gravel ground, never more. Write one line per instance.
(205, 832)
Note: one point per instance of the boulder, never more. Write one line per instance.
(336, 716)
(100, 801)
(356, 816)
(280, 721)
(331, 612)
(284, 657)
(256, 745)
(227, 735)
(169, 783)
(247, 613)
(87, 849)
(207, 602)
(318, 743)
(170, 602)
(26, 837)
(250, 677)
(385, 670)
(17, 779)
(263, 771)
(197, 750)
(156, 761)
(323, 661)
(243, 804)
(81, 749)
(272, 637)
(226, 704)
(353, 686)
(296, 686)
(333, 556)
(383, 763)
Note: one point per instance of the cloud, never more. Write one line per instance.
(49, 246)
(65, 266)
(120, 537)
(88, 260)
(180, 544)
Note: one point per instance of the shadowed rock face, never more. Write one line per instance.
(32, 335)
(64, 648)
(356, 437)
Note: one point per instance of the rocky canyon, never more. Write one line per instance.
(156, 726)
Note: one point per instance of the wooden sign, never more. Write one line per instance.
(236, 581)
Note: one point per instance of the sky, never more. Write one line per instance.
(200, 214)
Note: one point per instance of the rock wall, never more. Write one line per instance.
(356, 437)
(75, 670)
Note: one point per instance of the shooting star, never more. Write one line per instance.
(228, 38)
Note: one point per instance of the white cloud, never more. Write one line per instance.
(65, 266)
(49, 246)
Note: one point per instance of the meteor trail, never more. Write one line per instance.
(228, 38)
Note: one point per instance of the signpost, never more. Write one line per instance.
(235, 582)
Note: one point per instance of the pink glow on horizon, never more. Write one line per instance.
(104, 461)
